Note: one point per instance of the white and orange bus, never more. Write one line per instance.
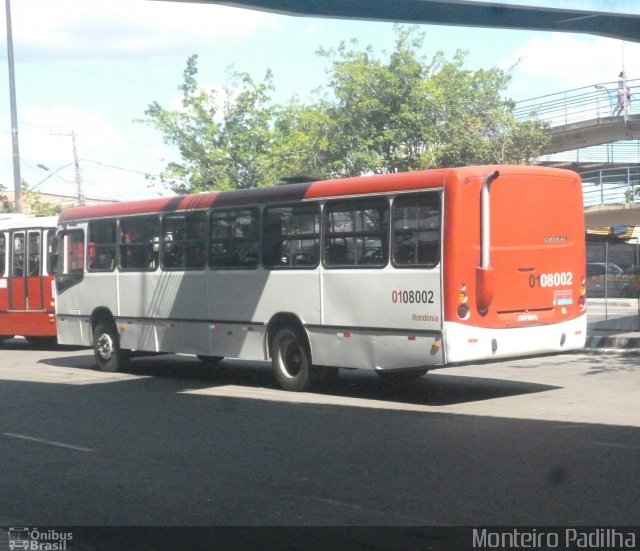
(26, 277)
(394, 273)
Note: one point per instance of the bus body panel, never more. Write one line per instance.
(375, 349)
(27, 291)
(529, 298)
(466, 343)
(536, 255)
(386, 299)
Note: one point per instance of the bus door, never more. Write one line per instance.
(25, 268)
(4, 292)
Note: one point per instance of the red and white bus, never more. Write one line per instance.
(26, 277)
(394, 273)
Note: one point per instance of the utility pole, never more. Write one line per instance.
(76, 164)
(17, 180)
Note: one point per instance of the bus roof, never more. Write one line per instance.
(10, 221)
(380, 183)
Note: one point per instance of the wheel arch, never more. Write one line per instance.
(102, 314)
(285, 319)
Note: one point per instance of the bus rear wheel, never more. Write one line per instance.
(291, 360)
(106, 348)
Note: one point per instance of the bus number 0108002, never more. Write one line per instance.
(558, 279)
(412, 297)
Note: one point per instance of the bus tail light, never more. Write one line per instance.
(462, 296)
(463, 312)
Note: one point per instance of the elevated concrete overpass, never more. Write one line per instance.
(593, 132)
(619, 19)
(583, 117)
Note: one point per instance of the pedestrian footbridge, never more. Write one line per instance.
(584, 118)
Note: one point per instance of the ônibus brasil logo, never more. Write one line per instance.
(32, 539)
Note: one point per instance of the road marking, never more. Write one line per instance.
(610, 445)
(49, 442)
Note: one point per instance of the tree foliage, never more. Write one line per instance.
(377, 114)
(223, 138)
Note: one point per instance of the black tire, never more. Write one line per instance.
(106, 348)
(291, 360)
(210, 361)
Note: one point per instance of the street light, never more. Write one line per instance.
(601, 87)
(51, 173)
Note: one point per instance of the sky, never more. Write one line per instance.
(90, 68)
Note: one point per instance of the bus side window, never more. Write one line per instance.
(101, 252)
(18, 255)
(139, 243)
(356, 233)
(234, 238)
(70, 268)
(183, 241)
(291, 236)
(52, 252)
(34, 247)
(3, 253)
(416, 230)
(72, 258)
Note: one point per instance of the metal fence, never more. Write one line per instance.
(595, 102)
(613, 285)
(611, 186)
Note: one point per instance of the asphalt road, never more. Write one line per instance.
(551, 440)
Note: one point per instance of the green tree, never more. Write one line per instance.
(406, 112)
(394, 113)
(223, 139)
(37, 205)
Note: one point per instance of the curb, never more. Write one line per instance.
(612, 344)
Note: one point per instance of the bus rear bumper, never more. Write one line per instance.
(465, 343)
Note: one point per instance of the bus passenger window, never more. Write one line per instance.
(3, 253)
(101, 251)
(234, 238)
(52, 252)
(34, 253)
(17, 267)
(183, 241)
(416, 230)
(73, 252)
(356, 233)
(291, 236)
(139, 243)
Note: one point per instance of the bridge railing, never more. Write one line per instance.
(611, 186)
(594, 102)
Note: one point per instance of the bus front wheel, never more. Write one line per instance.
(106, 347)
(291, 360)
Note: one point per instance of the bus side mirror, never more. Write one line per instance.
(484, 289)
